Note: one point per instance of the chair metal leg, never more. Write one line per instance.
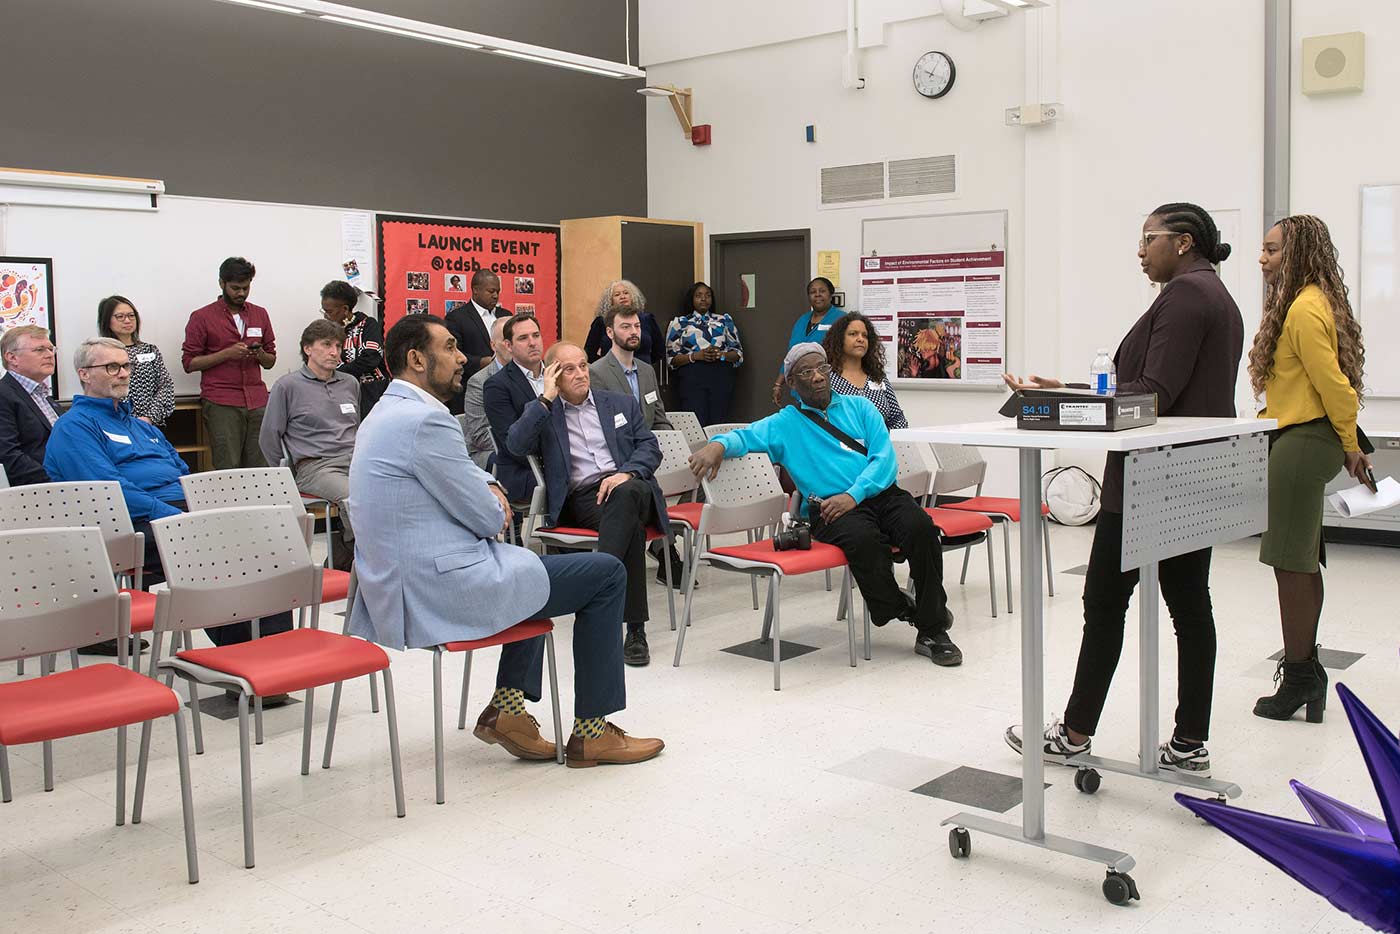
(330, 725)
(846, 598)
(373, 694)
(394, 759)
(310, 706)
(828, 582)
(142, 758)
(6, 793)
(841, 607)
(967, 556)
(121, 775)
(19, 667)
(1049, 565)
(466, 683)
(689, 602)
(865, 617)
(666, 572)
(73, 659)
(991, 574)
(774, 601)
(193, 686)
(182, 753)
(1006, 547)
(46, 665)
(554, 698)
(245, 761)
(753, 581)
(257, 720)
(437, 726)
(767, 632)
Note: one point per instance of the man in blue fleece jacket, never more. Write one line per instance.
(861, 511)
(99, 439)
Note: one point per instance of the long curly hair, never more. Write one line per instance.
(873, 363)
(1309, 258)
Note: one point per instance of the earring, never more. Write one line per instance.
(1180, 252)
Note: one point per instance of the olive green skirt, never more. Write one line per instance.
(1303, 459)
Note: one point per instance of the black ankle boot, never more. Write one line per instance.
(1303, 682)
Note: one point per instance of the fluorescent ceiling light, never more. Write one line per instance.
(527, 57)
(380, 27)
(265, 5)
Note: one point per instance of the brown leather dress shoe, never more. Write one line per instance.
(519, 733)
(614, 747)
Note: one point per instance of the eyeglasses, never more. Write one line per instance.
(824, 370)
(112, 368)
(1153, 235)
(123, 317)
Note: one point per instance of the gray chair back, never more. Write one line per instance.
(744, 495)
(96, 504)
(59, 593)
(688, 423)
(674, 475)
(247, 486)
(228, 565)
(959, 467)
(912, 473)
(718, 429)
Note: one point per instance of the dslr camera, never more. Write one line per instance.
(793, 535)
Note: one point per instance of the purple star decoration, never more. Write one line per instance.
(1347, 856)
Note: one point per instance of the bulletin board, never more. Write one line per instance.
(426, 267)
(935, 287)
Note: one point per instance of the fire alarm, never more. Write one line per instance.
(1334, 63)
(700, 134)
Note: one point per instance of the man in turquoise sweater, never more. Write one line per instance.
(838, 452)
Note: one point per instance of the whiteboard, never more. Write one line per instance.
(1378, 298)
(167, 263)
(942, 233)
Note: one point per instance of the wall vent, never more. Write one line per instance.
(919, 178)
(846, 184)
(894, 180)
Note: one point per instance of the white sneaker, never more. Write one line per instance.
(1057, 746)
(1196, 762)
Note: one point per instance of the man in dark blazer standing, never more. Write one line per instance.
(599, 464)
(505, 397)
(27, 413)
(470, 323)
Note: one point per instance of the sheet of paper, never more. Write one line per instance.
(1359, 501)
(357, 249)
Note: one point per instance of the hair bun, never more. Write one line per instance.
(1222, 252)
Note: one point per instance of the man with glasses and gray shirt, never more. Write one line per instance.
(27, 413)
(311, 418)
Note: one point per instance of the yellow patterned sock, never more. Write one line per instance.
(509, 700)
(590, 728)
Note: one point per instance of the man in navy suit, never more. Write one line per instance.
(599, 461)
(507, 394)
(27, 412)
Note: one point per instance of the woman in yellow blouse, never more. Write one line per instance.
(1305, 368)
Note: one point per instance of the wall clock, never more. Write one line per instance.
(934, 74)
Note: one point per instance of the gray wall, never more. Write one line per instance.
(233, 102)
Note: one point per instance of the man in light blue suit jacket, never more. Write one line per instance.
(430, 570)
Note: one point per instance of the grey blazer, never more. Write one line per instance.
(480, 444)
(429, 568)
(606, 373)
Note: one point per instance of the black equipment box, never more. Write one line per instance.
(1080, 410)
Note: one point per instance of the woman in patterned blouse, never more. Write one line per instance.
(857, 358)
(702, 346)
(362, 355)
(152, 392)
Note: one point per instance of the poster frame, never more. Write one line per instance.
(52, 323)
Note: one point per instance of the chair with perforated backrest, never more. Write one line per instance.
(225, 565)
(961, 466)
(688, 424)
(317, 506)
(520, 632)
(721, 427)
(90, 504)
(61, 594)
(676, 479)
(743, 496)
(576, 538)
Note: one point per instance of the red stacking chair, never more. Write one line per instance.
(226, 565)
(746, 495)
(61, 594)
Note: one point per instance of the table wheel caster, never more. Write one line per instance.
(1119, 888)
(1086, 780)
(959, 843)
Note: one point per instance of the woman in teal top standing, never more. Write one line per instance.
(811, 326)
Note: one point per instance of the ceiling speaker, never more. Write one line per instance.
(1332, 64)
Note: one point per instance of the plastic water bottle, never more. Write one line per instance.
(1103, 375)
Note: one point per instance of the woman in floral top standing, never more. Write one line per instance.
(363, 354)
(702, 346)
(152, 393)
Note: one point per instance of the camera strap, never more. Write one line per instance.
(835, 432)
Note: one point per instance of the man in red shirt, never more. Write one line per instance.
(229, 342)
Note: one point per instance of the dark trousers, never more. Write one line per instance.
(705, 389)
(621, 523)
(591, 587)
(230, 634)
(1185, 585)
(233, 435)
(866, 533)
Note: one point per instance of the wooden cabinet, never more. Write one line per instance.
(185, 430)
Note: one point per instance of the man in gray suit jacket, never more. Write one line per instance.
(619, 370)
(477, 430)
(431, 571)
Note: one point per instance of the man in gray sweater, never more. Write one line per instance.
(311, 418)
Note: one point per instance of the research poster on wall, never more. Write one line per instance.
(426, 268)
(941, 316)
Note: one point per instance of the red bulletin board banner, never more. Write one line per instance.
(426, 267)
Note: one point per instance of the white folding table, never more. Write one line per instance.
(1176, 500)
